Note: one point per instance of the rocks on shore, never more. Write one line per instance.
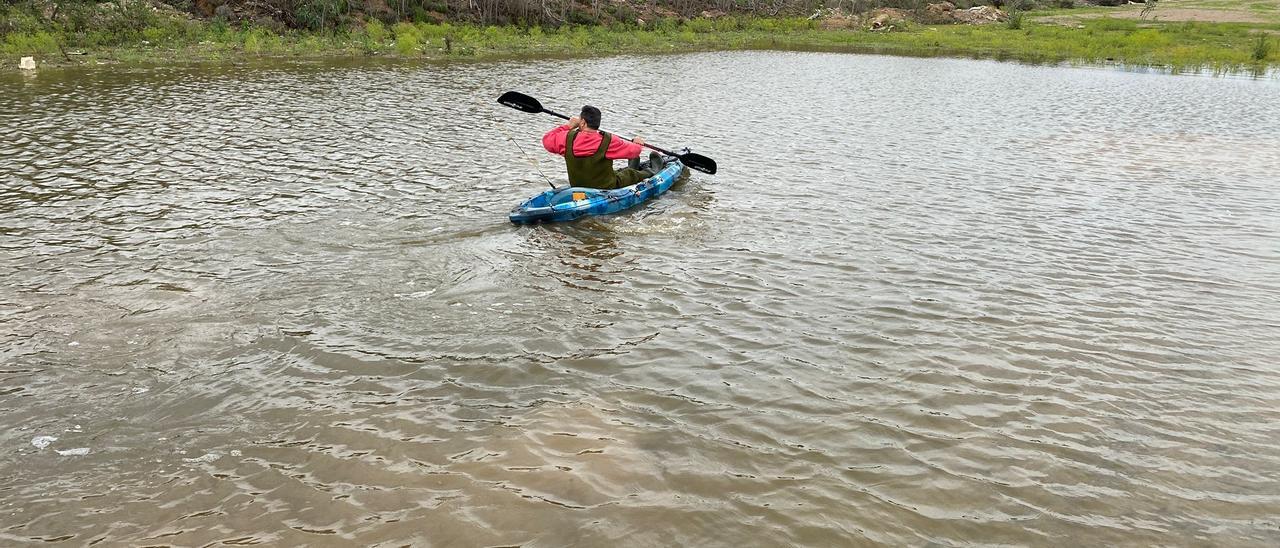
(981, 15)
(885, 19)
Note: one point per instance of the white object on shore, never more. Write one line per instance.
(77, 452)
(207, 457)
(40, 442)
(27, 63)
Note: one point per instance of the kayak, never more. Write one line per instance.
(569, 203)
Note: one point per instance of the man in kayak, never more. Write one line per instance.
(589, 153)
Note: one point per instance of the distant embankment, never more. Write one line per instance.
(1233, 38)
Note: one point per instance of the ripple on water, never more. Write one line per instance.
(281, 304)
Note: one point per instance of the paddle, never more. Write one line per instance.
(525, 103)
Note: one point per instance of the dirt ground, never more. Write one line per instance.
(1216, 11)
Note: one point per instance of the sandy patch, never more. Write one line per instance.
(1210, 11)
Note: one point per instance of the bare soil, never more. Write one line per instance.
(1208, 11)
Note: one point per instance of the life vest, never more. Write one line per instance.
(594, 171)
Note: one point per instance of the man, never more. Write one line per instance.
(589, 153)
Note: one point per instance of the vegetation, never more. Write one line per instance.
(132, 30)
(1261, 48)
(1014, 22)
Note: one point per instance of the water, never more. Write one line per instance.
(925, 302)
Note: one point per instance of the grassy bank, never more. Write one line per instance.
(1174, 45)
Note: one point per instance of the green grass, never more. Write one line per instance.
(1175, 45)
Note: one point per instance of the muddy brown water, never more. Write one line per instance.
(925, 302)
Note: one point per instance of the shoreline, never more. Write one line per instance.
(1174, 47)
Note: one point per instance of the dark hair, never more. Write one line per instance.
(591, 115)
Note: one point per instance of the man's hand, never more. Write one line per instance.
(638, 141)
(575, 123)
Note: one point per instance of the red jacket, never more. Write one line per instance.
(588, 142)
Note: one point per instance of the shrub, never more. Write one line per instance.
(1015, 20)
(579, 37)
(30, 42)
(763, 24)
(700, 25)
(14, 19)
(251, 43)
(376, 32)
(407, 44)
(258, 40)
(406, 29)
(156, 35)
(667, 24)
(727, 24)
(408, 38)
(318, 14)
(433, 31)
(1261, 48)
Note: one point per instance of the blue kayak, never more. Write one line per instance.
(569, 203)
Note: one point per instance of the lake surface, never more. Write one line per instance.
(925, 302)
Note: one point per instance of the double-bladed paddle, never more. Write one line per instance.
(525, 103)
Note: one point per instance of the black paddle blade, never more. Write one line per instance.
(698, 162)
(520, 101)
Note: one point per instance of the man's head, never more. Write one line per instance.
(591, 115)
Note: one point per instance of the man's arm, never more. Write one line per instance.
(554, 140)
(622, 149)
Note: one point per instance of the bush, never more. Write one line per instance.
(17, 19)
(727, 24)
(579, 37)
(376, 32)
(1015, 20)
(157, 35)
(667, 24)
(408, 38)
(406, 29)
(260, 40)
(432, 31)
(1261, 48)
(407, 44)
(30, 43)
(318, 14)
(700, 25)
(251, 43)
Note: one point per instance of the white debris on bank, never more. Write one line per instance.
(27, 63)
(207, 457)
(40, 442)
